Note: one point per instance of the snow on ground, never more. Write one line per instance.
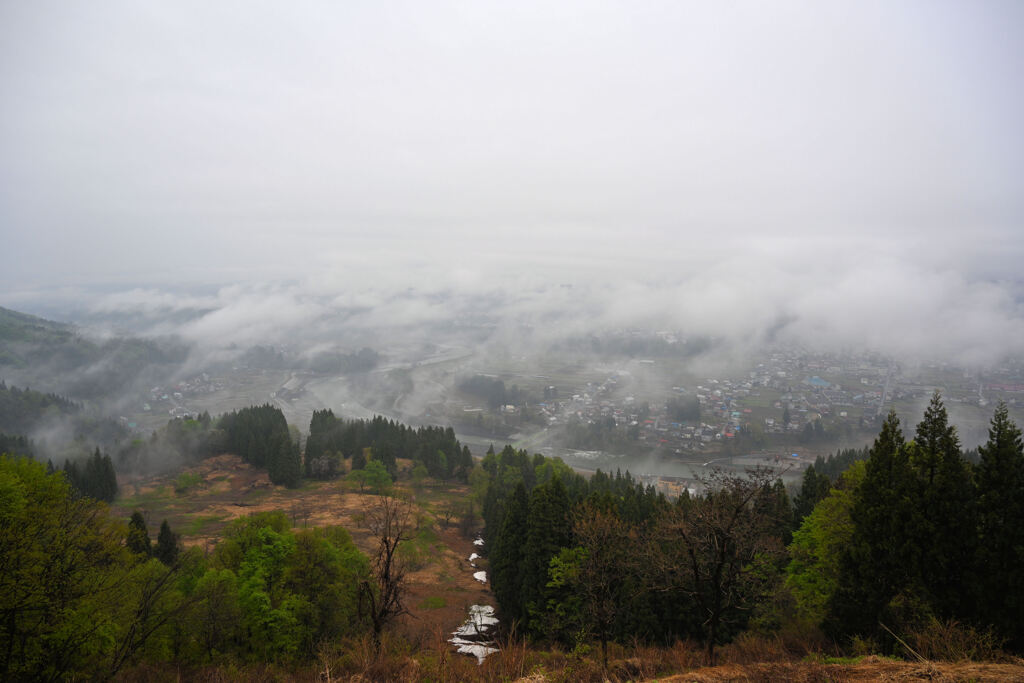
(480, 576)
(464, 647)
(479, 542)
(481, 619)
(472, 557)
(471, 637)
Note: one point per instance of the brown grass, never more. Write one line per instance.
(417, 650)
(355, 660)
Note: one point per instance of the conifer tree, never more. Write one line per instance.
(138, 536)
(166, 545)
(506, 556)
(948, 527)
(815, 488)
(884, 551)
(547, 531)
(1000, 480)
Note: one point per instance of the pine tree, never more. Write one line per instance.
(284, 462)
(774, 505)
(547, 531)
(505, 556)
(815, 488)
(884, 551)
(948, 530)
(138, 536)
(1000, 481)
(359, 458)
(166, 545)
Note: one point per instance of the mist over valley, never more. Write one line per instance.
(527, 341)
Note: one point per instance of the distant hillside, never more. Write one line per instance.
(54, 421)
(55, 357)
(22, 409)
(21, 333)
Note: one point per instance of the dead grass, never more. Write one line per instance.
(417, 650)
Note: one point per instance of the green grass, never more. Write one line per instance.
(433, 602)
(186, 481)
(199, 522)
(162, 495)
(419, 551)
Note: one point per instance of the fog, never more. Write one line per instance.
(838, 177)
(895, 307)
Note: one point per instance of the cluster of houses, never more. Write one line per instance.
(171, 398)
(786, 384)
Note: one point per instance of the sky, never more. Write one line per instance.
(851, 172)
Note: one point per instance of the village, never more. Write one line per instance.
(787, 409)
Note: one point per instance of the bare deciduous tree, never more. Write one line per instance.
(448, 511)
(391, 521)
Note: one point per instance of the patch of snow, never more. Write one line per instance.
(471, 637)
(480, 576)
(465, 647)
(481, 619)
(479, 542)
(473, 556)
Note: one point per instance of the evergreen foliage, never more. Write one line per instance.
(910, 535)
(166, 549)
(24, 412)
(16, 445)
(506, 555)
(884, 551)
(912, 554)
(95, 478)
(835, 465)
(22, 409)
(1000, 481)
(548, 529)
(181, 441)
(812, 574)
(493, 390)
(331, 439)
(947, 514)
(260, 435)
(813, 490)
(138, 536)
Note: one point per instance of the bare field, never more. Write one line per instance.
(441, 588)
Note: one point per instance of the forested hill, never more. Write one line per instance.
(28, 413)
(21, 410)
(55, 357)
(20, 330)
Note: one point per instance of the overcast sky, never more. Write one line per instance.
(832, 154)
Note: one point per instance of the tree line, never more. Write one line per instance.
(332, 440)
(612, 559)
(911, 537)
(260, 435)
(493, 390)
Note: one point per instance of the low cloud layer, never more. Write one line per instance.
(887, 305)
(832, 176)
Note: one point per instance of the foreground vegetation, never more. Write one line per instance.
(913, 553)
(912, 546)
